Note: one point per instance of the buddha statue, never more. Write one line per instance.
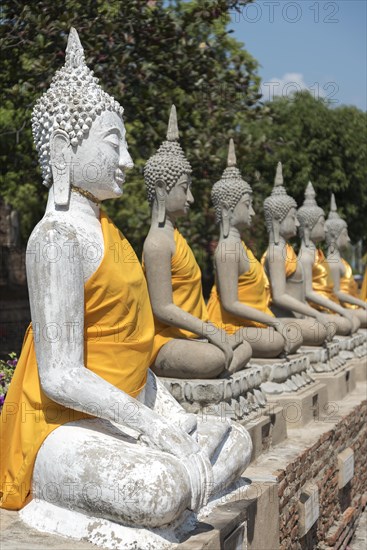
(83, 409)
(318, 281)
(285, 272)
(186, 343)
(345, 287)
(239, 298)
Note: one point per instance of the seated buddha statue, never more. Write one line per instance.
(83, 408)
(285, 272)
(239, 298)
(186, 343)
(319, 286)
(345, 287)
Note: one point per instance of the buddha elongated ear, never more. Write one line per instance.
(60, 160)
(276, 229)
(306, 234)
(225, 216)
(161, 195)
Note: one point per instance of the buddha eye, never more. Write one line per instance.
(113, 140)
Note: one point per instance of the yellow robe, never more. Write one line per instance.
(348, 285)
(252, 291)
(290, 260)
(363, 295)
(187, 294)
(322, 281)
(119, 332)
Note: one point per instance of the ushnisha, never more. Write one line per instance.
(285, 272)
(94, 410)
(186, 343)
(239, 299)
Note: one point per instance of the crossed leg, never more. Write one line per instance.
(191, 359)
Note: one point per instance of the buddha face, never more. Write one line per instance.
(288, 227)
(99, 162)
(179, 198)
(343, 240)
(318, 231)
(243, 212)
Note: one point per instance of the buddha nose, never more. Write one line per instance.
(190, 197)
(125, 160)
(297, 222)
(252, 211)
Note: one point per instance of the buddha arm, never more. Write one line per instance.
(56, 290)
(335, 273)
(277, 276)
(307, 258)
(227, 275)
(158, 252)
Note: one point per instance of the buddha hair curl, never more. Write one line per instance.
(169, 163)
(279, 203)
(231, 187)
(309, 213)
(71, 104)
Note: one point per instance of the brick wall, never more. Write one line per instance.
(339, 509)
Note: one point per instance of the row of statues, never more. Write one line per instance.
(102, 326)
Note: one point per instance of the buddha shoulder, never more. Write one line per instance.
(158, 243)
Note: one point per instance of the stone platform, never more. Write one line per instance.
(295, 496)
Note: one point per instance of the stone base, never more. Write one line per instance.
(238, 397)
(360, 368)
(308, 404)
(232, 521)
(338, 383)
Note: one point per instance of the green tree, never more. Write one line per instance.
(315, 142)
(148, 55)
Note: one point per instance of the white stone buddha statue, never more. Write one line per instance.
(345, 287)
(318, 282)
(283, 269)
(186, 343)
(239, 300)
(83, 409)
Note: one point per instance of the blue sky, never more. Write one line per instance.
(315, 44)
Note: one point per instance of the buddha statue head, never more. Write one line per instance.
(167, 176)
(79, 132)
(280, 210)
(232, 196)
(336, 228)
(311, 218)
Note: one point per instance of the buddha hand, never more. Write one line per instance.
(200, 473)
(219, 338)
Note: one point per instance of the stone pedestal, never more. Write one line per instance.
(239, 397)
(339, 383)
(301, 407)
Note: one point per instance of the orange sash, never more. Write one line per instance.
(119, 333)
(290, 261)
(187, 294)
(363, 295)
(322, 282)
(348, 285)
(251, 291)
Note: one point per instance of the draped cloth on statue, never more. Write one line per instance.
(119, 331)
(363, 294)
(290, 262)
(252, 291)
(322, 281)
(187, 294)
(348, 285)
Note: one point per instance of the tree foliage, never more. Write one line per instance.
(314, 142)
(148, 55)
